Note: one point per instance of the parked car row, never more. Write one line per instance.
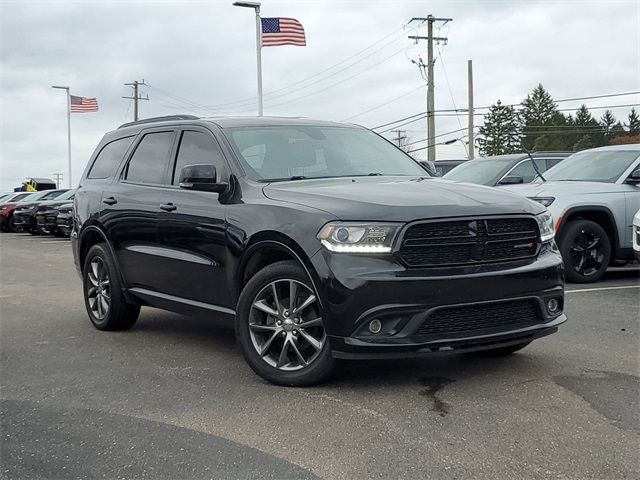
(47, 212)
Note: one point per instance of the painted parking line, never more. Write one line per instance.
(55, 241)
(598, 289)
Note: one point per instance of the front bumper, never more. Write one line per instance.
(47, 220)
(64, 222)
(24, 220)
(354, 290)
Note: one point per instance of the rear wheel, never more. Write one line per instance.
(279, 327)
(103, 296)
(586, 251)
(11, 224)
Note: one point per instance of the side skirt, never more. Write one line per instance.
(180, 305)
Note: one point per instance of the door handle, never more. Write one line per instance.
(109, 201)
(168, 207)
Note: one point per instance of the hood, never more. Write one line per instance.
(554, 189)
(400, 199)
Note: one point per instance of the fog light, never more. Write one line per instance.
(375, 326)
(553, 305)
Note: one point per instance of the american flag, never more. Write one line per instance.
(83, 104)
(282, 31)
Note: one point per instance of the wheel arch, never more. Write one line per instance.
(92, 235)
(599, 214)
(266, 248)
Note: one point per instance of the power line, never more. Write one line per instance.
(307, 95)
(518, 104)
(249, 100)
(446, 77)
(274, 94)
(385, 103)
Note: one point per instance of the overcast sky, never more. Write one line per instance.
(199, 58)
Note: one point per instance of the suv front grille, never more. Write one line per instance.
(468, 242)
(467, 318)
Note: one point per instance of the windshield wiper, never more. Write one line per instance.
(284, 179)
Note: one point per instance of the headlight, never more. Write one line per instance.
(546, 201)
(358, 237)
(545, 224)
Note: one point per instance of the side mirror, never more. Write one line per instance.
(201, 178)
(634, 178)
(511, 181)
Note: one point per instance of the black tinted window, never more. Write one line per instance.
(198, 148)
(109, 158)
(150, 159)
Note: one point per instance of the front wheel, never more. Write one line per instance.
(586, 251)
(279, 327)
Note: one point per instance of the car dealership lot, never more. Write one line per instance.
(173, 397)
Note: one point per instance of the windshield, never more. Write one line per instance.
(593, 166)
(41, 195)
(483, 172)
(68, 195)
(283, 153)
(17, 197)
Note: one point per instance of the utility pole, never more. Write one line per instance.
(470, 124)
(401, 136)
(431, 121)
(58, 177)
(135, 84)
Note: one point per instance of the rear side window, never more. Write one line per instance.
(198, 148)
(109, 158)
(150, 160)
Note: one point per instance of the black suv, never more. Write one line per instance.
(324, 241)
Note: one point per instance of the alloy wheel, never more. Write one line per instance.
(285, 325)
(98, 288)
(587, 252)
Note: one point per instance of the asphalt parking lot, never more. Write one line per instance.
(173, 398)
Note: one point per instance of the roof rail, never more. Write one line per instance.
(160, 119)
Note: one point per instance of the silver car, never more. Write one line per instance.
(592, 196)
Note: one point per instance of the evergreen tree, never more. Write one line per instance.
(617, 130)
(583, 143)
(501, 131)
(538, 114)
(608, 121)
(634, 123)
(588, 126)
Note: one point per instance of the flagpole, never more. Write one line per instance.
(68, 130)
(259, 58)
(256, 7)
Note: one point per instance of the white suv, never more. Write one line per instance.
(592, 196)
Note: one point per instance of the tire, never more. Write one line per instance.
(307, 355)
(42, 230)
(501, 351)
(11, 225)
(112, 312)
(586, 251)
